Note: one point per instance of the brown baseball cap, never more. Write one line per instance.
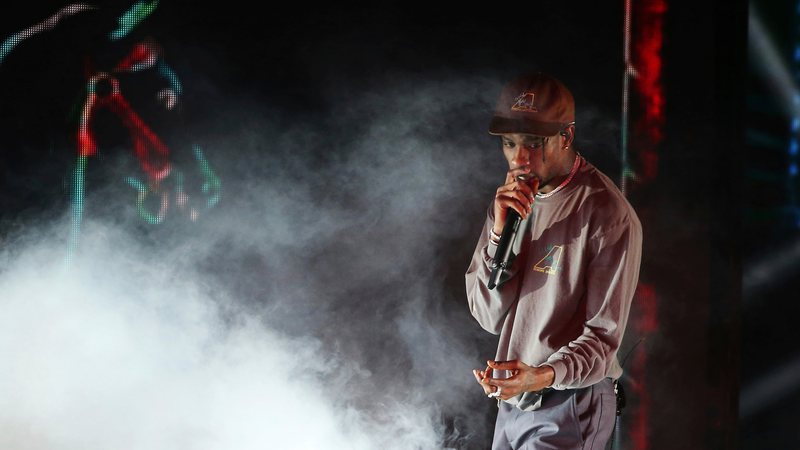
(533, 103)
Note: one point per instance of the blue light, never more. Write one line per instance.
(795, 124)
(793, 147)
(792, 169)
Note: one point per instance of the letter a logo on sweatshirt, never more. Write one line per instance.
(549, 264)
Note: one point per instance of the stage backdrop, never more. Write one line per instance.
(224, 226)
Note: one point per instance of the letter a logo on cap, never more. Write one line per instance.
(524, 102)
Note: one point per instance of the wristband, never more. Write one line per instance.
(494, 237)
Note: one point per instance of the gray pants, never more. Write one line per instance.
(579, 419)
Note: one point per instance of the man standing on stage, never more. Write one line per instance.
(561, 305)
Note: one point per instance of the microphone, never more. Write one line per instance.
(503, 253)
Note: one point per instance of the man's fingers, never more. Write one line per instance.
(481, 376)
(517, 186)
(503, 382)
(505, 365)
(524, 198)
(522, 194)
(514, 196)
(524, 186)
(483, 380)
(515, 201)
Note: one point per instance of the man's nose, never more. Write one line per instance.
(521, 156)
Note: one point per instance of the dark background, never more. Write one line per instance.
(304, 64)
(769, 395)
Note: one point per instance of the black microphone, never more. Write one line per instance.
(503, 253)
(502, 256)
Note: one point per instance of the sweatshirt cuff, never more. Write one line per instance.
(489, 252)
(491, 249)
(560, 369)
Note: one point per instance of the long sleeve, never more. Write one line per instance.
(612, 276)
(489, 307)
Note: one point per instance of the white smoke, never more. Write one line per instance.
(309, 311)
(128, 353)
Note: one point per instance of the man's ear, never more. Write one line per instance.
(568, 133)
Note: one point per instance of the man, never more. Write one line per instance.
(561, 307)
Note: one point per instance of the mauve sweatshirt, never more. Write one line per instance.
(566, 298)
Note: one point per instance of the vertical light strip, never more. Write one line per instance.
(626, 82)
(637, 432)
(643, 37)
